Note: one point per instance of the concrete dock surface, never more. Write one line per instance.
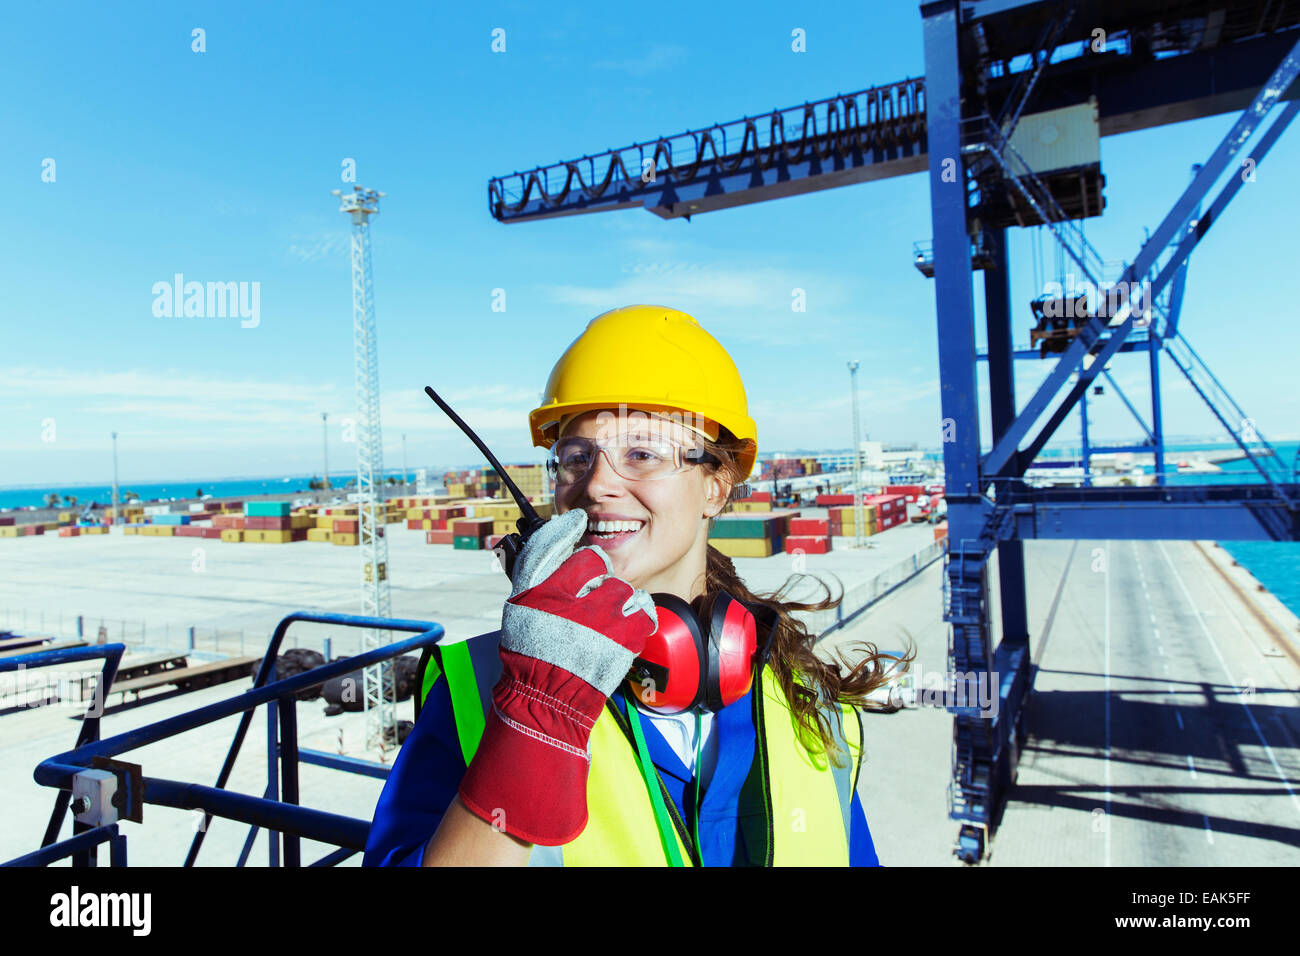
(1163, 729)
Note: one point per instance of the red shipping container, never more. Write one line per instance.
(759, 496)
(808, 544)
(414, 524)
(211, 533)
(824, 501)
(6, 522)
(188, 531)
(816, 526)
(493, 540)
(481, 527)
(70, 532)
(438, 537)
(345, 525)
(298, 534)
(267, 523)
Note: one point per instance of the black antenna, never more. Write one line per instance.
(530, 521)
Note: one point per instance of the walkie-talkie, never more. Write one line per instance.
(511, 544)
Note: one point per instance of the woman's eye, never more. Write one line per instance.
(646, 454)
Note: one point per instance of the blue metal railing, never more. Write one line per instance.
(280, 816)
(88, 734)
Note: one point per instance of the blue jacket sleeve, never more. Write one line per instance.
(862, 851)
(420, 787)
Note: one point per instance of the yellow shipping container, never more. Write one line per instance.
(340, 537)
(326, 522)
(269, 537)
(743, 547)
(129, 529)
(229, 534)
(95, 529)
(302, 521)
(744, 506)
(504, 527)
(10, 531)
(65, 515)
(319, 534)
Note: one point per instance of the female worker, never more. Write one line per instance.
(533, 746)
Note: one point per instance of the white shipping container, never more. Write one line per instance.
(1059, 139)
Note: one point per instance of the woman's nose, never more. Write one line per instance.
(603, 479)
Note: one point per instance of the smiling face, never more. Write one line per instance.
(667, 550)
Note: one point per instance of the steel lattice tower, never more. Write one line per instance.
(380, 696)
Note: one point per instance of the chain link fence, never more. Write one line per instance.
(164, 636)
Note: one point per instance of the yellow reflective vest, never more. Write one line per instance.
(807, 798)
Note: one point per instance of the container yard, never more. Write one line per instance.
(865, 504)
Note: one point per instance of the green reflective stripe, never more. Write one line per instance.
(431, 674)
(465, 702)
(651, 777)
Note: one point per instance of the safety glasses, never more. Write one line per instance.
(635, 457)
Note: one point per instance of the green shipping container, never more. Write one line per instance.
(266, 509)
(747, 527)
(467, 542)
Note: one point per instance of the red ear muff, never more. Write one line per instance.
(733, 636)
(666, 676)
(684, 665)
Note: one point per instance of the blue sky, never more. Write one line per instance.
(219, 165)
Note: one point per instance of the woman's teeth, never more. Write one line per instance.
(607, 529)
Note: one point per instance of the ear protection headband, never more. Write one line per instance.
(693, 662)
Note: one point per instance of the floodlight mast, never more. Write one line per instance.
(379, 694)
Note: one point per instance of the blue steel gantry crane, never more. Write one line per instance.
(994, 68)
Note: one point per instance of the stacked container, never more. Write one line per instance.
(809, 535)
(270, 522)
(891, 508)
(471, 534)
(748, 536)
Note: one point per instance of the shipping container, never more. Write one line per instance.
(813, 526)
(267, 509)
(269, 537)
(808, 544)
(748, 526)
(438, 537)
(743, 547)
(260, 523)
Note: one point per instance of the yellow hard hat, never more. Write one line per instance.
(646, 357)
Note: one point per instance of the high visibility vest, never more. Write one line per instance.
(807, 798)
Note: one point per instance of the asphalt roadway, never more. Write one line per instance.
(1163, 729)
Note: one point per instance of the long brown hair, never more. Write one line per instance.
(806, 679)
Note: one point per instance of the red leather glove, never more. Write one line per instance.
(569, 633)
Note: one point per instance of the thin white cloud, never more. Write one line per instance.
(666, 283)
(319, 246)
(659, 57)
